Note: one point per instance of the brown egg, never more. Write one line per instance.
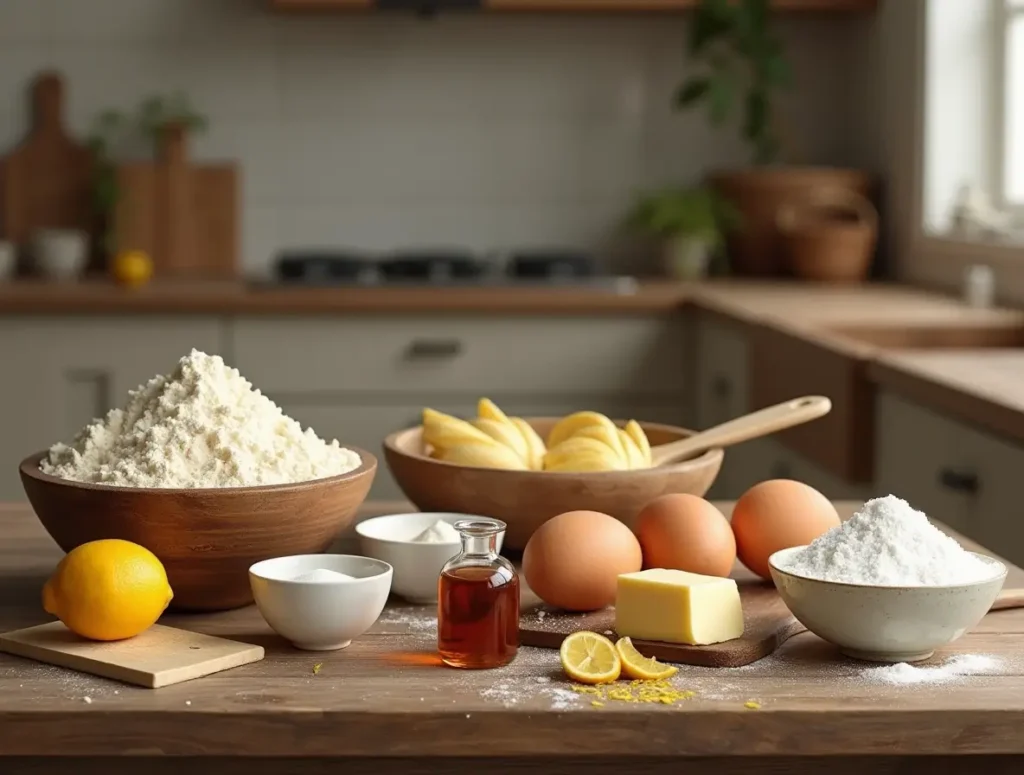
(778, 514)
(686, 532)
(573, 560)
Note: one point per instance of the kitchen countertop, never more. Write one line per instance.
(985, 387)
(387, 695)
(807, 311)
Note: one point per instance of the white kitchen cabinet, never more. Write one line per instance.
(62, 372)
(721, 390)
(475, 355)
(366, 425)
(964, 477)
(761, 459)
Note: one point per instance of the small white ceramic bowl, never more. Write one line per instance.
(885, 624)
(416, 565)
(320, 616)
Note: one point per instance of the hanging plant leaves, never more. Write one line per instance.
(713, 19)
(756, 119)
(691, 91)
(720, 97)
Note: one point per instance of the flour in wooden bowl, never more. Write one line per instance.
(201, 426)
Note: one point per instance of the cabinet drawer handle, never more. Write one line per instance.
(721, 387)
(959, 481)
(435, 348)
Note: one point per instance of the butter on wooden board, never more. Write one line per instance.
(674, 606)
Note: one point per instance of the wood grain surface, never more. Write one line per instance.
(767, 624)
(587, 6)
(160, 656)
(46, 182)
(185, 215)
(387, 696)
(525, 500)
(206, 538)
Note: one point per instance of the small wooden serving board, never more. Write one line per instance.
(767, 625)
(160, 656)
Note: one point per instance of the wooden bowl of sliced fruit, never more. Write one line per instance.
(524, 471)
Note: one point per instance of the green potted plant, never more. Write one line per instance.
(690, 225)
(740, 68)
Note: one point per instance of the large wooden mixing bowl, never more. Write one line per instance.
(524, 500)
(206, 538)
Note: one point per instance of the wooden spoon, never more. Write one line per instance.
(751, 426)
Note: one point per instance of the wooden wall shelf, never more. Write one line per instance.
(581, 6)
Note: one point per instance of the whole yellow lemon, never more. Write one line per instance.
(108, 590)
(132, 267)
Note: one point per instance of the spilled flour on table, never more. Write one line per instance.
(959, 667)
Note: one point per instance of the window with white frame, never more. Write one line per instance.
(1009, 75)
(973, 120)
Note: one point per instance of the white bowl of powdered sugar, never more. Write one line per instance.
(887, 585)
(417, 545)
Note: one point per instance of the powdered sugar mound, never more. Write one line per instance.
(888, 543)
(958, 667)
(201, 426)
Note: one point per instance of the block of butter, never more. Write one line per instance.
(678, 607)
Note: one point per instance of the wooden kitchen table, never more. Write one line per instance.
(386, 705)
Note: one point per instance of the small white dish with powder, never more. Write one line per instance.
(887, 585)
(418, 545)
(321, 602)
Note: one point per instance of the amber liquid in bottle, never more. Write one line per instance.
(478, 602)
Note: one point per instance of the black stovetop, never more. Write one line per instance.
(443, 267)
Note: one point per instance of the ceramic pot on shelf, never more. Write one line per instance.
(686, 257)
(60, 254)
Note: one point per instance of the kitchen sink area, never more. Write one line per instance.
(931, 337)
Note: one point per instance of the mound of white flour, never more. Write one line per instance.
(201, 426)
(888, 543)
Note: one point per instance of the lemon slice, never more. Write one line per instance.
(589, 658)
(635, 665)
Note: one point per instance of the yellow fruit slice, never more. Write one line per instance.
(441, 430)
(634, 457)
(581, 453)
(569, 425)
(534, 443)
(490, 455)
(486, 409)
(506, 434)
(610, 437)
(635, 665)
(589, 658)
(637, 434)
(584, 464)
(108, 590)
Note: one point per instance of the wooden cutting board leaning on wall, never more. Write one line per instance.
(184, 215)
(46, 182)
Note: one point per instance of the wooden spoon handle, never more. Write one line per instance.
(1008, 598)
(752, 426)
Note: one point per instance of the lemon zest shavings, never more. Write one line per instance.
(660, 692)
(316, 667)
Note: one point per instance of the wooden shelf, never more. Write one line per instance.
(586, 6)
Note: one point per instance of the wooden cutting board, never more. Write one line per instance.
(184, 215)
(46, 182)
(767, 625)
(160, 656)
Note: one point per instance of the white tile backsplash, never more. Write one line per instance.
(383, 131)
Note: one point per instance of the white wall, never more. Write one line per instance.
(382, 131)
